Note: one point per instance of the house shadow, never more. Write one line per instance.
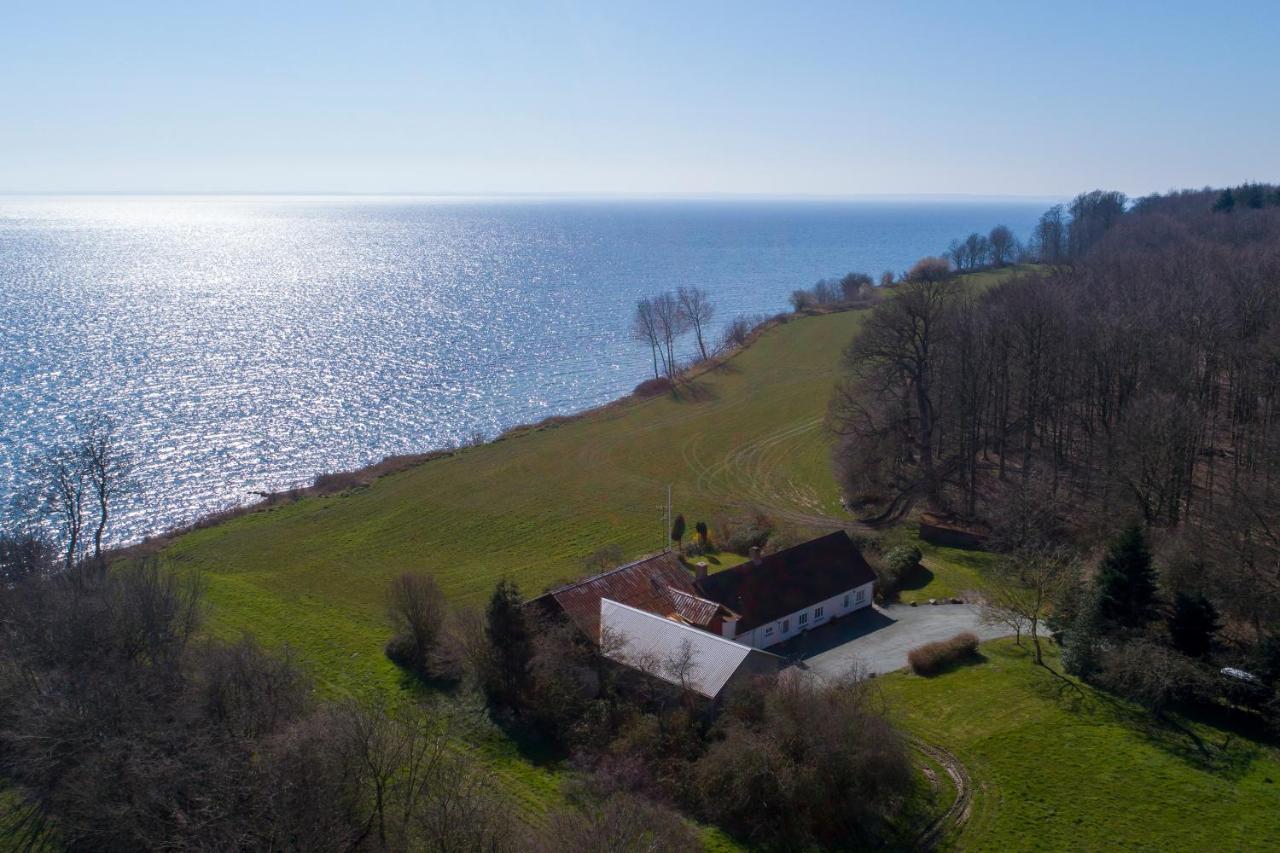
(835, 633)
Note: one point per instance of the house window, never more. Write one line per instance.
(804, 617)
(786, 625)
(768, 631)
(817, 613)
(846, 599)
(862, 595)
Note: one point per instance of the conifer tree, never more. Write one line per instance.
(678, 530)
(508, 633)
(1226, 201)
(1127, 581)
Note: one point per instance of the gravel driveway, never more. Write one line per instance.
(878, 638)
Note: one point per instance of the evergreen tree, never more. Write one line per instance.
(703, 536)
(678, 530)
(1193, 624)
(1127, 581)
(1226, 201)
(507, 631)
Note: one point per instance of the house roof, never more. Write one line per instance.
(692, 608)
(657, 645)
(788, 580)
(649, 584)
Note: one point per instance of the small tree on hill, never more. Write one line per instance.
(507, 630)
(1127, 581)
(703, 536)
(1193, 624)
(1226, 201)
(416, 606)
(678, 530)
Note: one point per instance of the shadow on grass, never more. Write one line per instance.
(918, 578)
(695, 391)
(1227, 744)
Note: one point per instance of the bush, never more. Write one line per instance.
(740, 535)
(932, 658)
(653, 387)
(895, 566)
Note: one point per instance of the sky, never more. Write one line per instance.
(652, 98)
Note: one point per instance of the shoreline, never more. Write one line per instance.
(328, 484)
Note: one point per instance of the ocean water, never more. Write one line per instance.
(247, 344)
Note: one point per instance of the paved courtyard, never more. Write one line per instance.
(877, 639)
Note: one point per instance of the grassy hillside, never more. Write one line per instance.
(1060, 766)
(313, 572)
(1066, 771)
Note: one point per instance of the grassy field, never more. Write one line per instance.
(1052, 771)
(1059, 766)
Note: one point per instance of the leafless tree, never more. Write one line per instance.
(108, 469)
(66, 493)
(1021, 588)
(416, 606)
(696, 311)
(1003, 245)
(645, 327)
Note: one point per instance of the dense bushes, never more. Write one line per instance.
(796, 765)
(933, 658)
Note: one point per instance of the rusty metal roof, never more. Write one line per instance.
(647, 584)
(694, 610)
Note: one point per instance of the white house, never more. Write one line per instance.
(771, 599)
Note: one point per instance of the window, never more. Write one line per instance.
(804, 617)
(786, 625)
(846, 599)
(817, 613)
(768, 631)
(862, 595)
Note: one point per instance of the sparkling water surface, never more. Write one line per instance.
(247, 344)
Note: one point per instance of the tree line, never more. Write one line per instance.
(1133, 377)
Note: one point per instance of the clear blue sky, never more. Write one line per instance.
(782, 98)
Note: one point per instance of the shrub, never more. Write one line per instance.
(895, 566)
(932, 658)
(416, 607)
(653, 387)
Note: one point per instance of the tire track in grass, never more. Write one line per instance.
(957, 814)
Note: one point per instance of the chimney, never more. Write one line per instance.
(700, 570)
(755, 555)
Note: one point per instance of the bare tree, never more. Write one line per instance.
(66, 491)
(670, 325)
(1020, 590)
(1002, 245)
(108, 470)
(696, 311)
(644, 327)
(417, 609)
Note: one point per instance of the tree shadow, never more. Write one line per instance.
(695, 391)
(918, 578)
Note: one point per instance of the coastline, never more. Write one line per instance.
(340, 482)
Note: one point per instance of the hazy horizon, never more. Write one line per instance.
(835, 100)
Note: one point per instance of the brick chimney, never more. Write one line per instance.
(755, 555)
(700, 570)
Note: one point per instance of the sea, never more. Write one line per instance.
(245, 344)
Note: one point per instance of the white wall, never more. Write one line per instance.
(760, 637)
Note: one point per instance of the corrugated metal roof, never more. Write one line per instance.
(698, 611)
(645, 584)
(657, 645)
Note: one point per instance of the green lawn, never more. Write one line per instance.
(1052, 773)
(1059, 766)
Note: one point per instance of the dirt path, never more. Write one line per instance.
(958, 813)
